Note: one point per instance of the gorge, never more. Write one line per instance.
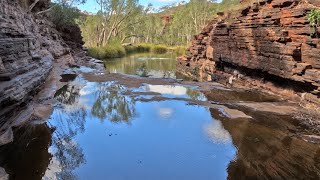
(66, 115)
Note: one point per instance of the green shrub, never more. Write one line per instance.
(63, 15)
(115, 50)
(139, 48)
(314, 20)
(96, 52)
(107, 52)
(130, 49)
(159, 49)
(179, 50)
(144, 47)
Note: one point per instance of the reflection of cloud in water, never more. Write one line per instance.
(85, 91)
(167, 89)
(165, 113)
(53, 169)
(217, 133)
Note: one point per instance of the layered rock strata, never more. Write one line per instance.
(272, 38)
(29, 46)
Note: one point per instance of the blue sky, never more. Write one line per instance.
(92, 6)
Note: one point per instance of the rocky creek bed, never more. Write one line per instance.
(88, 123)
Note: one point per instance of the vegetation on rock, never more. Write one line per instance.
(314, 20)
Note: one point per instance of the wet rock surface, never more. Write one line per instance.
(240, 141)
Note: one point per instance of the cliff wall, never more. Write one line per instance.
(29, 46)
(271, 39)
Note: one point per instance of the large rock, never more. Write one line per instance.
(272, 37)
(29, 45)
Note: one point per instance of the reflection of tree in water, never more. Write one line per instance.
(67, 94)
(267, 150)
(167, 74)
(195, 94)
(142, 71)
(68, 153)
(156, 65)
(67, 122)
(111, 104)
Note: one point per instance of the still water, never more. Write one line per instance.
(104, 130)
(146, 65)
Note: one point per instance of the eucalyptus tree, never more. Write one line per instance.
(117, 15)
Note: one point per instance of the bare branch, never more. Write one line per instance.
(47, 10)
(33, 5)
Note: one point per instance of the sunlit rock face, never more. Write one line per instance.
(272, 37)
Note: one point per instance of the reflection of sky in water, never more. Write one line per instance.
(144, 140)
(217, 133)
(172, 91)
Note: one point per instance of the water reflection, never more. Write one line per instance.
(68, 94)
(67, 153)
(267, 150)
(27, 157)
(111, 104)
(82, 105)
(95, 133)
(175, 91)
(216, 132)
(145, 65)
(68, 77)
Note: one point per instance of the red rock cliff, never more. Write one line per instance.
(272, 37)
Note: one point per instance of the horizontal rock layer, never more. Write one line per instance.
(273, 37)
(28, 47)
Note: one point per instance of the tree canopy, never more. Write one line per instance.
(126, 21)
